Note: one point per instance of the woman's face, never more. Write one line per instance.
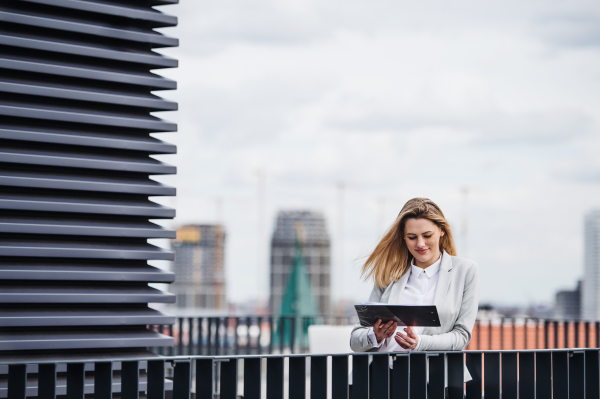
(422, 238)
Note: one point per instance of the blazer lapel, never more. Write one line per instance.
(443, 283)
(398, 288)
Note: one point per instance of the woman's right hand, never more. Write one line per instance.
(383, 331)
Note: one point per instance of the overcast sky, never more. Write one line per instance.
(395, 99)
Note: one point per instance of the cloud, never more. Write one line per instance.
(249, 114)
(484, 127)
(571, 30)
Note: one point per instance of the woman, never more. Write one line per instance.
(416, 264)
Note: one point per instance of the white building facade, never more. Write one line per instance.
(590, 298)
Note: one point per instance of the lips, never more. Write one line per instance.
(422, 251)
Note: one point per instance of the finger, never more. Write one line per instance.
(410, 331)
(376, 325)
(408, 339)
(401, 343)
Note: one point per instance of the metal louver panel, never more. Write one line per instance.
(77, 93)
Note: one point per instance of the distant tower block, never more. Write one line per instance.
(590, 298)
(317, 257)
(199, 267)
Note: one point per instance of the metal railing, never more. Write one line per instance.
(225, 335)
(542, 374)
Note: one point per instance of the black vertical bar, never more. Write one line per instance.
(252, 378)
(555, 335)
(490, 334)
(381, 376)
(592, 374)
(130, 379)
(474, 387)
(205, 369)
(514, 333)
(47, 381)
(437, 375)
(543, 375)
(199, 336)
(229, 378)
(339, 377)
(546, 337)
(577, 325)
(577, 374)
(17, 381)
(248, 325)
(209, 340)
(182, 380)
(292, 333)
(587, 334)
(171, 348)
(190, 347)
(103, 379)
(156, 379)
(491, 380)
(180, 337)
(456, 376)
(400, 377)
(281, 333)
(258, 339)
(235, 335)
(418, 375)
(271, 334)
(218, 340)
(566, 324)
(509, 375)
(226, 343)
(527, 375)
(75, 380)
(598, 334)
(478, 324)
(318, 377)
(297, 378)
(360, 377)
(275, 378)
(560, 374)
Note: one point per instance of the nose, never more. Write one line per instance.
(420, 242)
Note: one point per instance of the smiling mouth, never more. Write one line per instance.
(422, 251)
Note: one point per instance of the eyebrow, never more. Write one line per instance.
(414, 234)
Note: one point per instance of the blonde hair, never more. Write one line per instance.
(391, 258)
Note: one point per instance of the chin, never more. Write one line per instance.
(423, 258)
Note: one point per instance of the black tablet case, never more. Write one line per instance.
(404, 315)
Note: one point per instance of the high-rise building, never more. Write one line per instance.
(567, 304)
(316, 252)
(590, 298)
(199, 267)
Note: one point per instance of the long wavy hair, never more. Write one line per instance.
(391, 258)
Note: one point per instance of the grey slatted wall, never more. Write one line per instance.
(76, 86)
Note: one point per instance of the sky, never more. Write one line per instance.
(391, 100)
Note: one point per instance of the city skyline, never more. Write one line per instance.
(497, 98)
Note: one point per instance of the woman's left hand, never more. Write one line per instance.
(408, 341)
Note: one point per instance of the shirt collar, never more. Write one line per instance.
(429, 272)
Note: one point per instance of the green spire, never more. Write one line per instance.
(298, 301)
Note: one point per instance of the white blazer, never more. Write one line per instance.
(457, 301)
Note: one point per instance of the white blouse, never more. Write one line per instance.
(419, 290)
